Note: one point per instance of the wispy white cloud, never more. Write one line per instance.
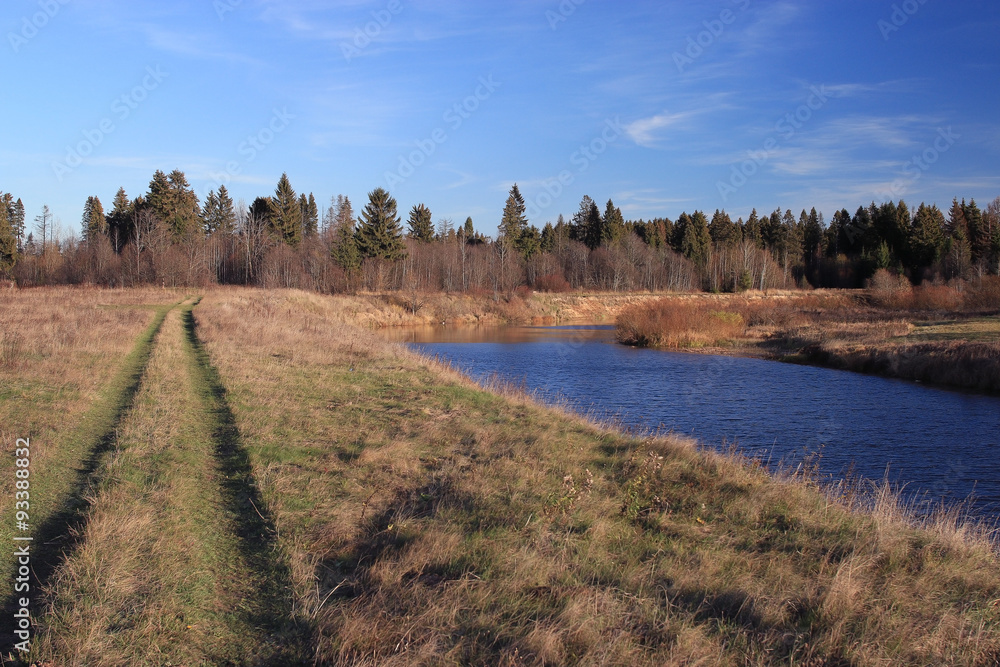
(647, 131)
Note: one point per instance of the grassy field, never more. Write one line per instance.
(940, 342)
(280, 486)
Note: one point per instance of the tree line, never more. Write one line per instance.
(167, 236)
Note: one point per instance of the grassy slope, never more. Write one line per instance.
(427, 521)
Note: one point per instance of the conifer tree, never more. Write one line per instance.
(286, 218)
(548, 240)
(514, 223)
(751, 230)
(379, 234)
(8, 241)
(310, 216)
(225, 221)
(926, 236)
(94, 223)
(174, 203)
(722, 230)
(421, 228)
(16, 219)
(612, 224)
(344, 248)
(120, 220)
(695, 241)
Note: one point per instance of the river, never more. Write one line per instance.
(935, 444)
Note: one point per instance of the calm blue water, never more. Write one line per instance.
(938, 443)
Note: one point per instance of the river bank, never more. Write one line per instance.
(835, 329)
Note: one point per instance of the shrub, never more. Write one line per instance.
(552, 282)
(674, 323)
(890, 290)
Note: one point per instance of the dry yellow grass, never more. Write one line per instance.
(61, 350)
(306, 492)
(427, 521)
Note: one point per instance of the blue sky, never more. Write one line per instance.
(661, 106)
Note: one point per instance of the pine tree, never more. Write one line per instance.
(379, 234)
(286, 219)
(94, 223)
(587, 226)
(420, 224)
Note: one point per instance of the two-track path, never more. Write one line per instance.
(165, 553)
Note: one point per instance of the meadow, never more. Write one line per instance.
(244, 476)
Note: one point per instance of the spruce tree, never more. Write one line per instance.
(8, 241)
(926, 237)
(310, 216)
(286, 219)
(695, 242)
(548, 240)
(379, 234)
(751, 230)
(16, 219)
(722, 230)
(120, 220)
(210, 212)
(612, 224)
(225, 221)
(979, 237)
(174, 203)
(94, 223)
(514, 223)
(812, 237)
(344, 248)
(421, 228)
